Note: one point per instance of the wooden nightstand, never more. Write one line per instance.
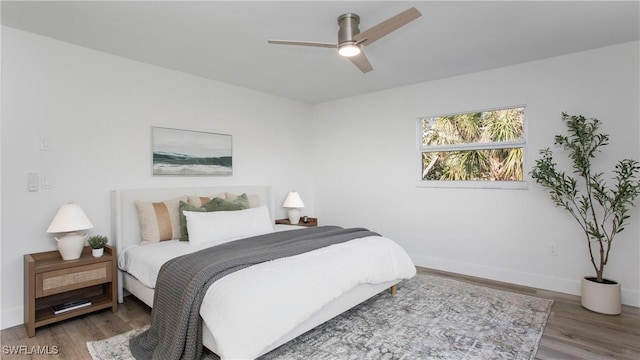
(49, 281)
(311, 222)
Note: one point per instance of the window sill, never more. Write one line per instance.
(500, 185)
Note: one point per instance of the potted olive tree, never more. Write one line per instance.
(600, 210)
(97, 243)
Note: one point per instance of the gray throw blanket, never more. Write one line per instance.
(176, 325)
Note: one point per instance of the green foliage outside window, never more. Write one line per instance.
(474, 146)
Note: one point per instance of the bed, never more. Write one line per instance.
(126, 233)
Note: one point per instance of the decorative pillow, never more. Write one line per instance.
(254, 200)
(219, 227)
(184, 235)
(239, 203)
(201, 200)
(159, 221)
(214, 204)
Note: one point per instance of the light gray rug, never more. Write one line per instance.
(429, 318)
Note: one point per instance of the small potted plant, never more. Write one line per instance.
(601, 210)
(97, 243)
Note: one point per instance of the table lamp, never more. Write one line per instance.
(69, 220)
(294, 203)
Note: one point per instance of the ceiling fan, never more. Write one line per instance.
(351, 40)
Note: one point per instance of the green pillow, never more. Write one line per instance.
(216, 204)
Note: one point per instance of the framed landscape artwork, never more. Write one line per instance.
(186, 152)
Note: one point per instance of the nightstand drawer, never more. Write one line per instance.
(54, 282)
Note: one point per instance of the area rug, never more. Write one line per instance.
(429, 318)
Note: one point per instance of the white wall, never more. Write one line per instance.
(99, 110)
(0, 169)
(366, 170)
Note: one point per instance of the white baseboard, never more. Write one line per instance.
(566, 286)
(12, 317)
(631, 297)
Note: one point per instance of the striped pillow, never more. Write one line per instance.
(159, 221)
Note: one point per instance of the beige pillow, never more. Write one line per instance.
(254, 200)
(159, 221)
(198, 201)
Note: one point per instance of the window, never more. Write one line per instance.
(482, 147)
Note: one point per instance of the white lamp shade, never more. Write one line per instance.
(69, 218)
(293, 200)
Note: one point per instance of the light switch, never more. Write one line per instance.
(32, 181)
(47, 182)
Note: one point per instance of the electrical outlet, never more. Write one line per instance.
(553, 248)
(46, 143)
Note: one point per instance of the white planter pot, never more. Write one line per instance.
(97, 252)
(604, 298)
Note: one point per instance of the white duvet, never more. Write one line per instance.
(249, 310)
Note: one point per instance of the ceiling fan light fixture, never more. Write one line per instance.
(349, 50)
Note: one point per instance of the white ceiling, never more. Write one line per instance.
(227, 40)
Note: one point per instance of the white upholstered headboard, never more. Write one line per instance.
(125, 229)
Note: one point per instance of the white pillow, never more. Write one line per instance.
(218, 227)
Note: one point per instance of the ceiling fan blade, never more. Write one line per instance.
(393, 23)
(361, 62)
(302, 43)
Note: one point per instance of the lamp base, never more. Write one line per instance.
(70, 245)
(294, 216)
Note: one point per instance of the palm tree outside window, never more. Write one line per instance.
(481, 146)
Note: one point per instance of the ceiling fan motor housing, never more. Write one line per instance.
(348, 28)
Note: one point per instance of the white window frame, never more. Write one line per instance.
(472, 184)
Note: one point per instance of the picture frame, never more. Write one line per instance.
(189, 152)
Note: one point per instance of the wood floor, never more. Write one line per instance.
(571, 332)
